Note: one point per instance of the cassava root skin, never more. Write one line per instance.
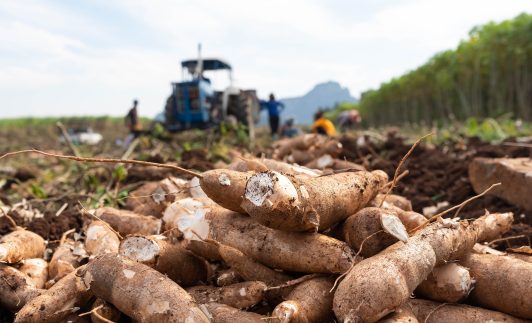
(58, 302)
(101, 239)
(284, 146)
(263, 164)
(227, 277)
(222, 313)
(404, 314)
(171, 259)
(293, 204)
(249, 269)
(449, 283)
(152, 198)
(149, 297)
(204, 249)
(225, 187)
(63, 261)
(19, 245)
(365, 227)
(15, 289)
(310, 301)
(502, 283)
(494, 226)
(378, 285)
(434, 312)
(391, 199)
(239, 295)
(291, 251)
(331, 147)
(126, 222)
(328, 162)
(37, 271)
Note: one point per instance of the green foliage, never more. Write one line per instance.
(158, 131)
(242, 134)
(234, 130)
(119, 173)
(219, 151)
(38, 191)
(495, 130)
(47, 121)
(487, 75)
(103, 197)
(121, 197)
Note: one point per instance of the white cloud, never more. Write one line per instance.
(281, 46)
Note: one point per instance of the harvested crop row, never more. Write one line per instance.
(262, 240)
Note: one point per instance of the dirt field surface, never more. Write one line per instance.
(50, 196)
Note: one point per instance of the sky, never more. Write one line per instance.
(93, 57)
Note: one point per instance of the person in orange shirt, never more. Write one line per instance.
(323, 125)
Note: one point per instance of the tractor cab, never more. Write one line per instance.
(195, 104)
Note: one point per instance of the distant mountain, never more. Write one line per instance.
(323, 95)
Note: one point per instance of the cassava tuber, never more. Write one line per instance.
(149, 297)
(378, 285)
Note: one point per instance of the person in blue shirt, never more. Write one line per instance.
(274, 112)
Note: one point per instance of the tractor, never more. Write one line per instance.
(195, 104)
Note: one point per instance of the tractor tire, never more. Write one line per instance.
(241, 105)
(168, 109)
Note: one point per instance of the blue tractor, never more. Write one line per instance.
(195, 104)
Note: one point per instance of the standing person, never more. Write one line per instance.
(348, 119)
(274, 113)
(323, 125)
(132, 123)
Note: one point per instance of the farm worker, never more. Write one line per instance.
(132, 123)
(323, 125)
(274, 112)
(348, 118)
(132, 120)
(288, 129)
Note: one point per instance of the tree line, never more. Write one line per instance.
(487, 75)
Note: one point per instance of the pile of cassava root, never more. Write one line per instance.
(267, 240)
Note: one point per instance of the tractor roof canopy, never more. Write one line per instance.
(209, 64)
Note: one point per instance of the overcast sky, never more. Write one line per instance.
(94, 57)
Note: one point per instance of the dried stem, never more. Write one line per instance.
(104, 160)
(400, 177)
(396, 174)
(507, 238)
(91, 311)
(355, 257)
(68, 140)
(296, 281)
(98, 218)
(64, 236)
(434, 310)
(101, 317)
(459, 206)
(517, 144)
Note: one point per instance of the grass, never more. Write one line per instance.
(51, 121)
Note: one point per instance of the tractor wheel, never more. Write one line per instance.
(168, 109)
(241, 105)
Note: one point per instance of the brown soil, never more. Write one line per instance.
(50, 227)
(196, 159)
(440, 174)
